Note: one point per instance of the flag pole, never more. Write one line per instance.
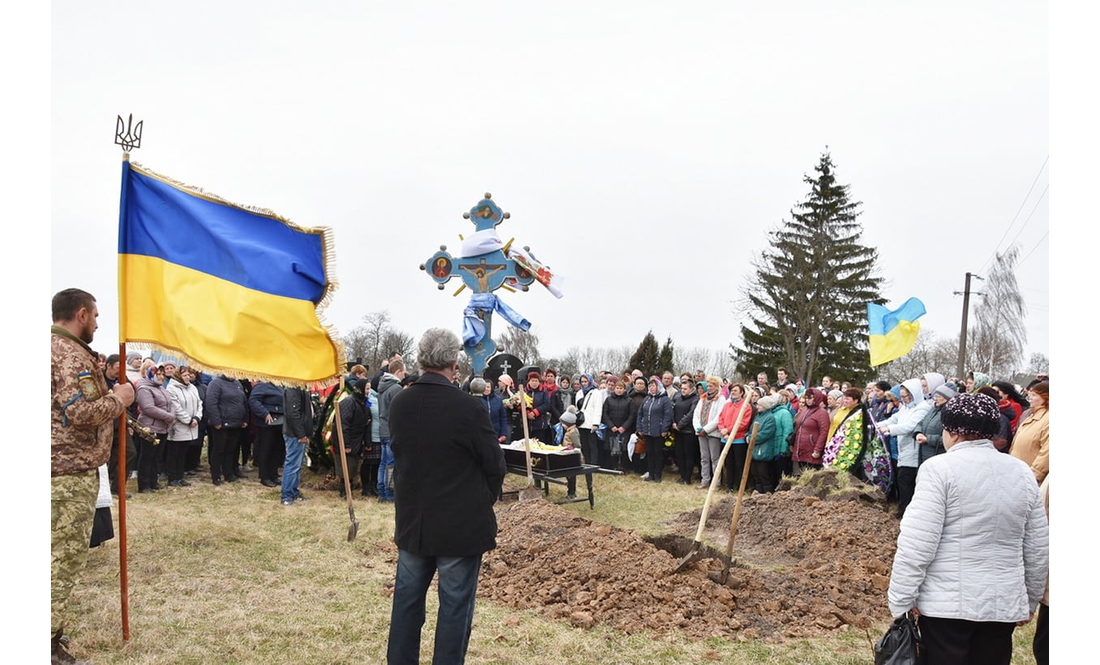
(128, 136)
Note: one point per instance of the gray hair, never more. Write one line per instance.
(438, 349)
(477, 386)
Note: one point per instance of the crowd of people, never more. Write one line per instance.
(881, 433)
(641, 425)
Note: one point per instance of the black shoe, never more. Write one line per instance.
(231, 479)
(190, 474)
(180, 483)
(146, 490)
(241, 475)
(269, 483)
(217, 481)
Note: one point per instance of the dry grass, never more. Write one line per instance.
(228, 575)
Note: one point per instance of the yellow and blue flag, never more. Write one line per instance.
(235, 290)
(893, 333)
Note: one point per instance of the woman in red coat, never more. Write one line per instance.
(811, 431)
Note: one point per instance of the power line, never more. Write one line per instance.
(1022, 204)
(1039, 242)
(1033, 209)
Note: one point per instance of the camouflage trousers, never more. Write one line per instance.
(72, 508)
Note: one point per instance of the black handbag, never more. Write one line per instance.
(901, 645)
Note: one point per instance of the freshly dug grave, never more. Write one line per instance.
(803, 566)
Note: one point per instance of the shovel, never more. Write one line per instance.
(723, 576)
(353, 530)
(530, 492)
(715, 480)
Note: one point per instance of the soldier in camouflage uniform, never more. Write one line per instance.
(83, 412)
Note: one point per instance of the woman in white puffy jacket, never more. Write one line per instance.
(971, 561)
(904, 424)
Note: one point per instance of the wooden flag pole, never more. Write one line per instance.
(123, 449)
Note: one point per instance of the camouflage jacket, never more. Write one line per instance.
(83, 410)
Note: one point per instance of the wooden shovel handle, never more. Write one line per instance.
(716, 478)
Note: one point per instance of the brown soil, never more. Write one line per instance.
(805, 563)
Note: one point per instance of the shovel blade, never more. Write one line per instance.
(692, 553)
(353, 530)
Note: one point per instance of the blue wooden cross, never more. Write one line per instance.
(482, 274)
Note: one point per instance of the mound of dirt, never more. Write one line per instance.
(802, 566)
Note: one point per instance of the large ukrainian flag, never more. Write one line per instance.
(235, 290)
(892, 334)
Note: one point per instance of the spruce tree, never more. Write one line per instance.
(664, 358)
(646, 357)
(808, 301)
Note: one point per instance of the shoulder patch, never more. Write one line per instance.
(88, 386)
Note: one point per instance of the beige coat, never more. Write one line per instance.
(1032, 443)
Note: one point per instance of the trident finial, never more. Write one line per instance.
(127, 134)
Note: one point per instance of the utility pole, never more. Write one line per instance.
(962, 333)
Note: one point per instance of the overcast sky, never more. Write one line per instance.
(643, 149)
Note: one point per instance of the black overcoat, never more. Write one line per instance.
(448, 470)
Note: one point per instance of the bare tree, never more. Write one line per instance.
(999, 332)
(521, 344)
(1039, 364)
(373, 341)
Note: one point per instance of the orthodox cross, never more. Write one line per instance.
(484, 267)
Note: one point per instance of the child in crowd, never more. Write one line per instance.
(571, 441)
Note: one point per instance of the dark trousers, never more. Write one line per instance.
(763, 476)
(131, 460)
(177, 453)
(907, 485)
(147, 462)
(590, 447)
(368, 476)
(270, 450)
(961, 642)
(735, 465)
(1041, 646)
(687, 454)
(244, 447)
(193, 459)
(655, 457)
(224, 447)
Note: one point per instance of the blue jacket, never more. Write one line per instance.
(498, 415)
(265, 398)
(654, 415)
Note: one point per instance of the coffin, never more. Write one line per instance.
(541, 460)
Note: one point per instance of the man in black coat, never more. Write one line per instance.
(448, 473)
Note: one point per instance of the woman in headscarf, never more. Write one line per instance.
(1032, 441)
(509, 394)
(971, 558)
(589, 401)
(834, 404)
(482, 389)
(903, 424)
(771, 440)
(653, 425)
(811, 432)
(705, 421)
(929, 434)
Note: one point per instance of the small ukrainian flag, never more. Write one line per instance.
(893, 334)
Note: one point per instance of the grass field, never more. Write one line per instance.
(228, 575)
